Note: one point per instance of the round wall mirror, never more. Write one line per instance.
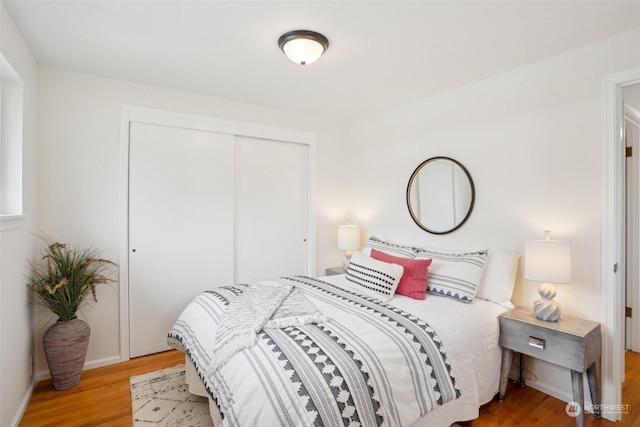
(440, 195)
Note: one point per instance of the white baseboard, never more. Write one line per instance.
(92, 364)
(112, 360)
(23, 404)
(551, 391)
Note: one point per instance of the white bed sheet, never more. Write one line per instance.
(469, 333)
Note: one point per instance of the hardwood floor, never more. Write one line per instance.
(529, 407)
(103, 399)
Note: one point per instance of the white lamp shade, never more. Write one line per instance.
(303, 51)
(547, 261)
(348, 237)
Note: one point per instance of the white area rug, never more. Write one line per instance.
(162, 398)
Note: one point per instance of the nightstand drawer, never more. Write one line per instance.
(546, 344)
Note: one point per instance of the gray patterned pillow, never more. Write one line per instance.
(454, 274)
(391, 248)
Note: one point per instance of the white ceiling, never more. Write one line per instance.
(382, 54)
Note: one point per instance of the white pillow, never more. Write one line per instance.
(454, 273)
(374, 278)
(391, 248)
(499, 277)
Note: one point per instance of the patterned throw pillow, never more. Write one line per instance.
(374, 278)
(454, 274)
(413, 282)
(391, 248)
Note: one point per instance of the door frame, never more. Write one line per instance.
(612, 288)
(134, 113)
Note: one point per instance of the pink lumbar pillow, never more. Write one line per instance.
(413, 282)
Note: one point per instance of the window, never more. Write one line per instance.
(11, 117)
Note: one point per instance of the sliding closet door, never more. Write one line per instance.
(180, 225)
(271, 201)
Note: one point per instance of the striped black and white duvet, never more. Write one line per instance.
(369, 364)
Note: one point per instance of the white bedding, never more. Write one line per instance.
(469, 333)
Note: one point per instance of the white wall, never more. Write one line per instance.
(531, 140)
(78, 182)
(16, 245)
(631, 96)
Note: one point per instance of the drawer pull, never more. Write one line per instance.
(536, 342)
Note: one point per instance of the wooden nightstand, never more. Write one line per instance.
(570, 342)
(334, 270)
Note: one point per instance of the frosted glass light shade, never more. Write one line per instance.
(547, 261)
(348, 237)
(303, 47)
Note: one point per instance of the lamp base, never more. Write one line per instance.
(347, 259)
(547, 310)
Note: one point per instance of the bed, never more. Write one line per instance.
(334, 351)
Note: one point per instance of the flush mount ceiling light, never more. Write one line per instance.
(302, 46)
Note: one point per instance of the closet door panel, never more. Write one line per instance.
(271, 203)
(180, 225)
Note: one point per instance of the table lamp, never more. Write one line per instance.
(348, 239)
(547, 261)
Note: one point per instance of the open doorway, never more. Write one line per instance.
(613, 236)
(631, 98)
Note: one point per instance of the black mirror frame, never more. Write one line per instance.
(408, 195)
